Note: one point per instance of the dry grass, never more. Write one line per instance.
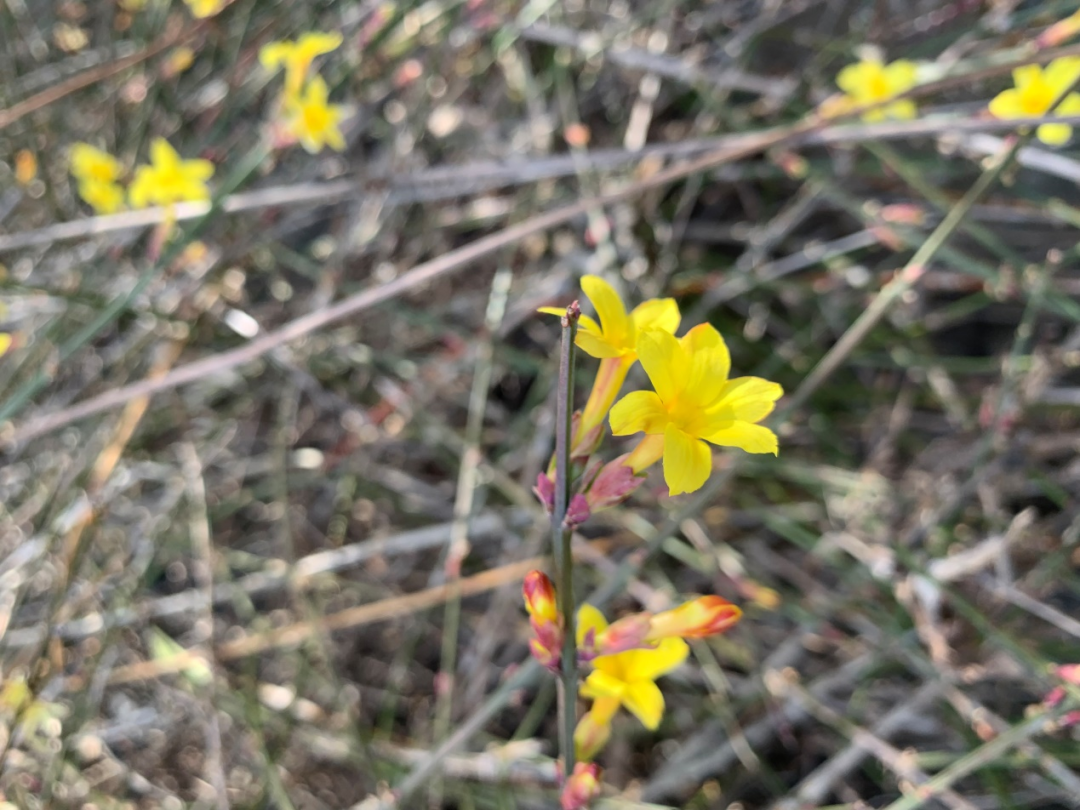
(304, 455)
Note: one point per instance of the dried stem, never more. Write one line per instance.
(561, 536)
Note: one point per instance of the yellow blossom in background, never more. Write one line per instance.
(296, 56)
(26, 167)
(313, 121)
(5, 343)
(169, 179)
(90, 163)
(694, 403)
(623, 679)
(97, 173)
(872, 82)
(104, 198)
(1036, 91)
(205, 8)
(614, 341)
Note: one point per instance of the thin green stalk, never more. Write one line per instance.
(561, 536)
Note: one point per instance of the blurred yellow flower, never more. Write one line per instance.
(614, 341)
(296, 57)
(694, 403)
(169, 179)
(1038, 90)
(312, 121)
(205, 8)
(623, 679)
(90, 163)
(5, 342)
(97, 173)
(872, 82)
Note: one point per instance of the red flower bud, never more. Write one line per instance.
(582, 787)
(539, 593)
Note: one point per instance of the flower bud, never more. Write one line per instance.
(590, 737)
(701, 617)
(582, 787)
(539, 593)
(1059, 32)
(628, 633)
(613, 484)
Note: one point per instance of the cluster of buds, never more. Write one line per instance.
(582, 787)
(547, 624)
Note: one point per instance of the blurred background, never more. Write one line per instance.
(260, 552)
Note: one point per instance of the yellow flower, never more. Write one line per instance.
(871, 82)
(205, 8)
(103, 197)
(1036, 91)
(5, 342)
(91, 164)
(297, 56)
(694, 402)
(312, 121)
(614, 341)
(627, 678)
(169, 179)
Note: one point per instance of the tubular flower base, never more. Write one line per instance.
(694, 403)
(871, 82)
(1036, 91)
(614, 342)
(1059, 32)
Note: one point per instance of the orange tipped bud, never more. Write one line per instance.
(582, 787)
(539, 595)
(701, 617)
(1059, 32)
(590, 737)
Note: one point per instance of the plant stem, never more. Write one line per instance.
(561, 536)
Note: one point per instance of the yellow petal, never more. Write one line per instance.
(1070, 105)
(748, 437)
(707, 376)
(314, 43)
(589, 618)
(750, 399)
(601, 684)
(162, 154)
(1062, 72)
(1006, 104)
(273, 54)
(687, 461)
(638, 411)
(604, 708)
(1025, 75)
(650, 664)
(903, 110)
(901, 76)
(665, 361)
(1054, 134)
(656, 313)
(616, 326)
(5, 343)
(586, 323)
(198, 169)
(646, 702)
(595, 346)
(851, 78)
(702, 336)
(559, 311)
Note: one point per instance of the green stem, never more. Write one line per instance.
(561, 537)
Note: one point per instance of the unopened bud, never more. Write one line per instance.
(539, 593)
(582, 787)
(701, 617)
(590, 737)
(1059, 32)
(628, 633)
(613, 484)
